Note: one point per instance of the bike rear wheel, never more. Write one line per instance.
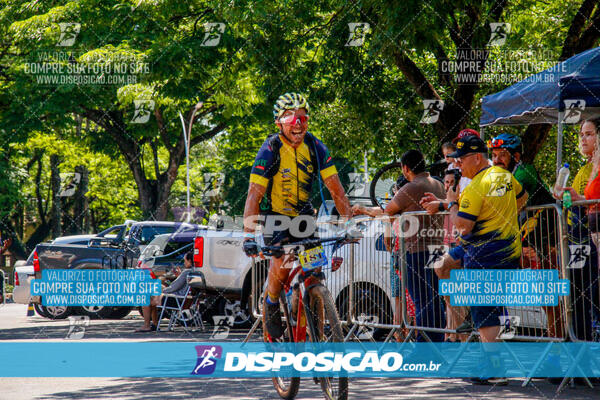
(322, 309)
(287, 387)
(385, 182)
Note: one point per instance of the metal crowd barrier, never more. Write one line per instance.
(422, 256)
(361, 287)
(260, 270)
(376, 288)
(581, 242)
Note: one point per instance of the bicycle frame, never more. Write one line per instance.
(310, 279)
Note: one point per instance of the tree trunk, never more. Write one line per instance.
(39, 235)
(153, 193)
(55, 214)
(80, 209)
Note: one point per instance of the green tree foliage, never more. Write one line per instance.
(366, 88)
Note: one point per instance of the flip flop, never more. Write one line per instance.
(140, 330)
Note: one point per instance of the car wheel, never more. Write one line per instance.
(120, 312)
(53, 312)
(370, 305)
(95, 312)
(233, 311)
(40, 310)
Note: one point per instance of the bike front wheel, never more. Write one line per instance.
(326, 327)
(287, 388)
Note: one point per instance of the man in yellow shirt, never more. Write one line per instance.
(486, 219)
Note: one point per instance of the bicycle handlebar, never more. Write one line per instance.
(279, 250)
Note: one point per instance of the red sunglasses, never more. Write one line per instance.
(293, 119)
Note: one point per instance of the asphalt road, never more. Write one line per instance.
(15, 326)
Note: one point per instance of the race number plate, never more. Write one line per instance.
(313, 258)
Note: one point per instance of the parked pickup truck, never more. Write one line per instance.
(118, 250)
(228, 272)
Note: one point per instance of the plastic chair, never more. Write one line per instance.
(183, 311)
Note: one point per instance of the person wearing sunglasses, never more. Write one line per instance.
(285, 168)
(485, 216)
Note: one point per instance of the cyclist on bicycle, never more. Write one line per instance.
(284, 169)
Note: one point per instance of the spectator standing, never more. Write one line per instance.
(539, 246)
(583, 224)
(486, 220)
(447, 149)
(422, 283)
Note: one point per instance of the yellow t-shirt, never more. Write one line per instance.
(491, 201)
(582, 177)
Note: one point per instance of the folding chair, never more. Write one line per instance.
(180, 311)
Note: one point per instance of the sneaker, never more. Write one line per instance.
(273, 320)
(490, 381)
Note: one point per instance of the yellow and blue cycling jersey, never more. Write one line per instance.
(288, 173)
(491, 201)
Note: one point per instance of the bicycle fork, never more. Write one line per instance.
(304, 306)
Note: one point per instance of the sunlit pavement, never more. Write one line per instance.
(16, 326)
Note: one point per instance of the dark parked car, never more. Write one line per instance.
(119, 250)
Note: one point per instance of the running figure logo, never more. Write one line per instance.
(222, 325)
(207, 359)
(573, 109)
(212, 184)
(579, 254)
(508, 326)
(356, 186)
(358, 32)
(431, 111)
(69, 182)
(436, 255)
(77, 325)
(68, 33)
(143, 110)
(212, 34)
(499, 32)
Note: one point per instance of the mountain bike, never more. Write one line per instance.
(311, 314)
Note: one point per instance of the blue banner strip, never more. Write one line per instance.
(229, 359)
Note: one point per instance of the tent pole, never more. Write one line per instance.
(559, 141)
(482, 132)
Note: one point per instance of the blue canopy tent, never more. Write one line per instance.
(565, 93)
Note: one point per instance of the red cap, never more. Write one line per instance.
(465, 132)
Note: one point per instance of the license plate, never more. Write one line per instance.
(313, 258)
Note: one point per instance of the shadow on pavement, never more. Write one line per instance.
(38, 328)
(372, 388)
